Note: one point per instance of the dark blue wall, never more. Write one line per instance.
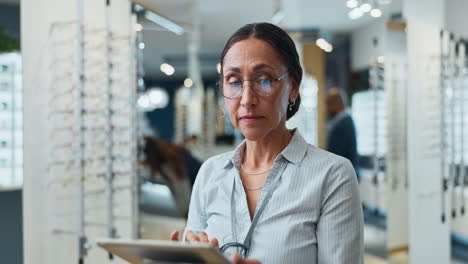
(338, 64)
(11, 215)
(11, 227)
(10, 19)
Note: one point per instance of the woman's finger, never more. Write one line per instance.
(236, 259)
(191, 237)
(175, 236)
(203, 237)
(214, 242)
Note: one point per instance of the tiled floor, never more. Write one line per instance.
(374, 246)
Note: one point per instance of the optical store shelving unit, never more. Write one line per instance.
(92, 179)
(11, 151)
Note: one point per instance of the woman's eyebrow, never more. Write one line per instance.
(260, 66)
(234, 69)
(255, 68)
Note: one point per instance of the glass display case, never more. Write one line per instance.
(11, 138)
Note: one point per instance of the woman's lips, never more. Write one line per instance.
(250, 119)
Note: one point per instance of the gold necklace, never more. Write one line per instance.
(252, 189)
(254, 173)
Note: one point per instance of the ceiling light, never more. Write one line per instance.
(366, 7)
(138, 27)
(141, 45)
(321, 43)
(167, 69)
(165, 23)
(153, 99)
(170, 71)
(158, 98)
(376, 12)
(144, 102)
(164, 67)
(355, 13)
(188, 82)
(352, 3)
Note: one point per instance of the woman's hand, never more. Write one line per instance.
(203, 238)
(175, 236)
(191, 237)
(236, 259)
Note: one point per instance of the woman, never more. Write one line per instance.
(275, 199)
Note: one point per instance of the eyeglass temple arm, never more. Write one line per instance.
(282, 76)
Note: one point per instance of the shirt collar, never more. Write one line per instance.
(294, 151)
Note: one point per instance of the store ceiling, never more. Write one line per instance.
(221, 18)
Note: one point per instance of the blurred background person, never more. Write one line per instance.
(341, 132)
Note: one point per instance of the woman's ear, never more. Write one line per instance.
(294, 92)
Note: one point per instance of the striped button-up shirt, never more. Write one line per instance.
(313, 216)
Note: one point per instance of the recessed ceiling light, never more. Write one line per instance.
(188, 82)
(167, 69)
(355, 13)
(366, 7)
(352, 3)
(376, 12)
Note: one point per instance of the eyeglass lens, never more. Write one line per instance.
(262, 87)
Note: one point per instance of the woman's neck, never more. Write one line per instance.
(260, 154)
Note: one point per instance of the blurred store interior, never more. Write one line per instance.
(109, 108)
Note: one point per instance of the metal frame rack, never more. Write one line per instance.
(377, 83)
(453, 101)
(93, 132)
(395, 79)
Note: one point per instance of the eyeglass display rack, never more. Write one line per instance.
(92, 170)
(11, 151)
(370, 118)
(306, 117)
(444, 97)
(453, 89)
(377, 86)
(186, 98)
(396, 98)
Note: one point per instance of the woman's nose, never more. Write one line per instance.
(248, 97)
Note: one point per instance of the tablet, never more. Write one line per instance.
(157, 251)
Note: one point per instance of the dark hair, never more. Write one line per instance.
(281, 42)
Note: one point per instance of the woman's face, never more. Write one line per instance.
(253, 115)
